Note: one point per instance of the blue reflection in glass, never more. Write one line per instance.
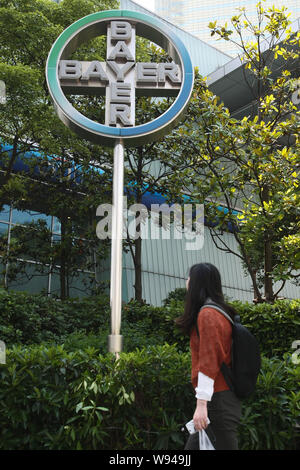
(4, 214)
(3, 228)
(56, 225)
(22, 217)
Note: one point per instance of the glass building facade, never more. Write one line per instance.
(203, 55)
(195, 15)
(23, 269)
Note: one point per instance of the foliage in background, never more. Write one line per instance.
(271, 416)
(249, 164)
(31, 319)
(28, 123)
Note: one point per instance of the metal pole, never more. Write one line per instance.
(50, 265)
(8, 246)
(115, 340)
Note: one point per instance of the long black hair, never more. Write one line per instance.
(204, 283)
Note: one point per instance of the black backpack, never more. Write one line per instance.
(241, 377)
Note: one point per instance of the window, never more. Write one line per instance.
(4, 214)
(32, 240)
(23, 217)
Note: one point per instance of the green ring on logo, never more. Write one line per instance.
(94, 25)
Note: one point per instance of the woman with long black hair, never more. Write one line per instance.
(210, 342)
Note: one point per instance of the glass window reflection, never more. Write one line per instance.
(4, 214)
(23, 217)
(56, 226)
(3, 229)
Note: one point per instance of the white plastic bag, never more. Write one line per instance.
(204, 441)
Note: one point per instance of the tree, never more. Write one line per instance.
(28, 121)
(253, 162)
(148, 167)
(141, 171)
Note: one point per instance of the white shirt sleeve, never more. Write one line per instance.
(205, 388)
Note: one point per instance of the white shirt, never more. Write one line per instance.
(205, 387)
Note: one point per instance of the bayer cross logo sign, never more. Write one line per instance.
(120, 78)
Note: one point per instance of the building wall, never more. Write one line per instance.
(203, 55)
(194, 16)
(166, 263)
(29, 274)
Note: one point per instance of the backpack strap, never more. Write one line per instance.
(216, 307)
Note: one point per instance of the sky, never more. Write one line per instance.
(149, 4)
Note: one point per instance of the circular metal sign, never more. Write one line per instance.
(120, 78)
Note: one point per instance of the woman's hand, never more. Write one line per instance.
(200, 418)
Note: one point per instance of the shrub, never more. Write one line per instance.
(275, 326)
(269, 418)
(177, 294)
(32, 319)
(144, 324)
(54, 399)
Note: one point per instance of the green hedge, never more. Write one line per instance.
(276, 326)
(54, 399)
(68, 393)
(32, 319)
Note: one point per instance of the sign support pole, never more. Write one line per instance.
(115, 339)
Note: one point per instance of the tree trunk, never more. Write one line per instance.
(252, 272)
(269, 294)
(63, 259)
(268, 265)
(138, 242)
(10, 167)
(138, 267)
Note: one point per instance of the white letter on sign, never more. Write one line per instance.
(95, 70)
(168, 70)
(121, 51)
(120, 30)
(120, 70)
(146, 72)
(69, 69)
(121, 112)
(120, 93)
